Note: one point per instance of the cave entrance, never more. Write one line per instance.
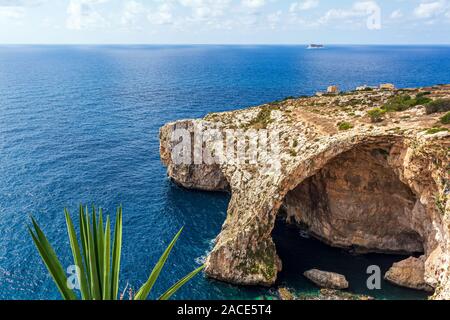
(301, 252)
(357, 203)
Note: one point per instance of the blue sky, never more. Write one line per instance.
(225, 21)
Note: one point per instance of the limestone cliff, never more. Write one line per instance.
(357, 178)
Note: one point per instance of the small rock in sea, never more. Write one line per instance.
(285, 294)
(328, 280)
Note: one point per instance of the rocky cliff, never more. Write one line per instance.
(367, 170)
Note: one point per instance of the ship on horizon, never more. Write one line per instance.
(316, 46)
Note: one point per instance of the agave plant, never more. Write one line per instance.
(98, 259)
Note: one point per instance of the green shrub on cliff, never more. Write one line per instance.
(423, 94)
(446, 119)
(404, 102)
(98, 259)
(343, 126)
(376, 115)
(263, 119)
(398, 103)
(422, 100)
(277, 102)
(440, 105)
(436, 130)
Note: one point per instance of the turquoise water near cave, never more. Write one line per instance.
(300, 253)
(80, 124)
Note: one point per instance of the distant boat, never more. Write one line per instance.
(316, 46)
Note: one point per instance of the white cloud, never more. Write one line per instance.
(397, 14)
(253, 4)
(274, 18)
(82, 14)
(21, 3)
(367, 6)
(202, 16)
(133, 11)
(209, 12)
(427, 10)
(303, 5)
(354, 15)
(11, 13)
(162, 15)
(14, 10)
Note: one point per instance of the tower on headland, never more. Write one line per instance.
(333, 90)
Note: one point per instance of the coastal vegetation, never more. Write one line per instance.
(277, 102)
(263, 118)
(405, 102)
(343, 126)
(376, 115)
(97, 261)
(436, 129)
(440, 105)
(446, 119)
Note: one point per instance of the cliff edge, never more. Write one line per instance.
(366, 170)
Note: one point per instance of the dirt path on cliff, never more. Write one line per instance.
(321, 124)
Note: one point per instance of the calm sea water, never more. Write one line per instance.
(80, 124)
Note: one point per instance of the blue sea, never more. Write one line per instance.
(79, 124)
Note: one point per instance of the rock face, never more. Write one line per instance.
(376, 187)
(409, 273)
(190, 176)
(352, 199)
(285, 295)
(327, 280)
(335, 295)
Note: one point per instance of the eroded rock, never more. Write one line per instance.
(352, 199)
(336, 295)
(409, 273)
(327, 280)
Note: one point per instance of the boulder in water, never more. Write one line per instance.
(328, 280)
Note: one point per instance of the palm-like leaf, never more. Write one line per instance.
(169, 293)
(98, 258)
(52, 262)
(78, 260)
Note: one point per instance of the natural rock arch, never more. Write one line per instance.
(245, 252)
(415, 161)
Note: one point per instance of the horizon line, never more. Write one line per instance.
(223, 44)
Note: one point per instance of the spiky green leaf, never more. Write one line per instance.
(78, 260)
(107, 261)
(177, 286)
(145, 290)
(51, 261)
(117, 248)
